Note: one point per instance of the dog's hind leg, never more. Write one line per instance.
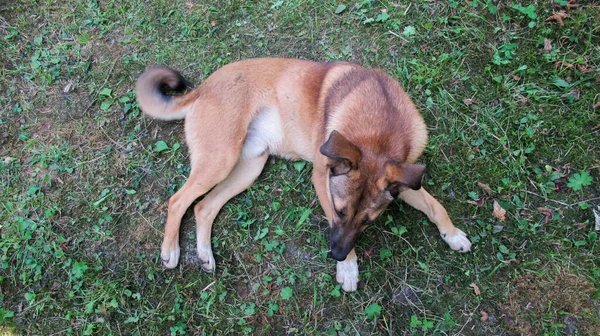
(423, 201)
(241, 178)
(201, 180)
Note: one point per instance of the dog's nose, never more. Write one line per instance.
(338, 254)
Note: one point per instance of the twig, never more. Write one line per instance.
(562, 203)
(468, 320)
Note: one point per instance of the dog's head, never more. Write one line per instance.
(361, 185)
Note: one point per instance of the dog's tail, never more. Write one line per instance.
(153, 100)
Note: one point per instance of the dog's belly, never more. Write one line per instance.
(268, 132)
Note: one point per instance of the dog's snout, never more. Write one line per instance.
(340, 244)
(338, 254)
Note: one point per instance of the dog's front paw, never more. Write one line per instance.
(207, 260)
(457, 241)
(347, 274)
(170, 255)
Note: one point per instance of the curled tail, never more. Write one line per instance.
(153, 100)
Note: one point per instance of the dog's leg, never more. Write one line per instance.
(347, 272)
(201, 180)
(241, 178)
(423, 201)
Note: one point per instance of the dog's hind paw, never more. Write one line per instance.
(347, 275)
(458, 241)
(170, 257)
(207, 260)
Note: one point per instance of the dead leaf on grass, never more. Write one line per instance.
(547, 45)
(479, 203)
(485, 187)
(484, 316)
(468, 101)
(597, 105)
(499, 212)
(563, 64)
(475, 289)
(546, 212)
(558, 17)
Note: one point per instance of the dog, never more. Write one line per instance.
(358, 127)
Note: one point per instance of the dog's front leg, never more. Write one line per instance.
(347, 272)
(423, 201)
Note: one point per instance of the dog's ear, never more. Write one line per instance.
(406, 174)
(342, 154)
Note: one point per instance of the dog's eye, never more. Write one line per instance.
(341, 213)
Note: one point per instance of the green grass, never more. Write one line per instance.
(85, 177)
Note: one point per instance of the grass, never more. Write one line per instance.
(508, 98)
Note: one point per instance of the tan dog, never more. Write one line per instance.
(357, 126)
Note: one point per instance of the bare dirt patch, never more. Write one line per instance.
(534, 301)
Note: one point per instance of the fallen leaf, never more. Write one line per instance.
(584, 68)
(547, 45)
(546, 212)
(213, 23)
(485, 188)
(189, 5)
(499, 212)
(468, 101)
(597, 105)
(479, 203)
(558, 17)
(575, 93)
(484, 316)
(475, 289)
(563, 64)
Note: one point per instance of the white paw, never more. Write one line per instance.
(207, 260)
(347, 274)
(170, 256)
(458, 241)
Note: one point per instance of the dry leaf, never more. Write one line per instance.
(189, 5)
(499, 212)
(468, 101)
(562, 65)
(575, 93)
(484, 316)
(584, 68)
(546, 212)
(547, 45)
(213, 23)
(558, 17)
(485, 188)
(597, 105)
(475, 289)
(479, 203)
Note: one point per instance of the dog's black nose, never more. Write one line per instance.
(338, 254)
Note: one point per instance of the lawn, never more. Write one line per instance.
(510, 91)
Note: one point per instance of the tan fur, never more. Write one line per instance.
(358, 127)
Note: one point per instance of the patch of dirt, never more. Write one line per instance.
(565, 300)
